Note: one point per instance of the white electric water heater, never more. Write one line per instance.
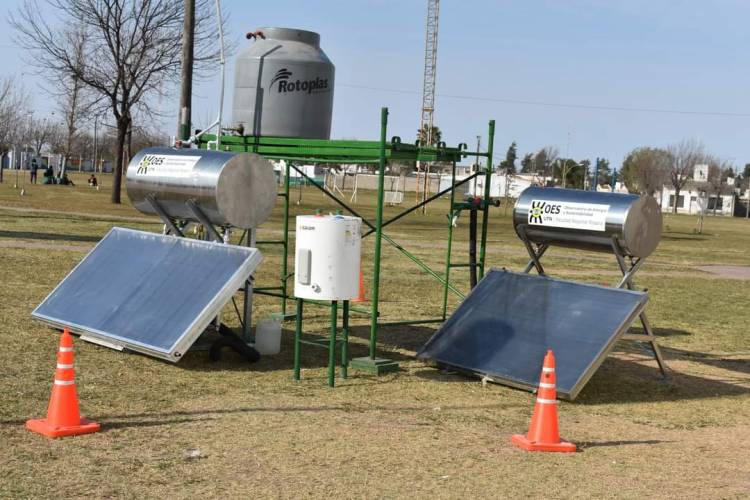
(327, 257)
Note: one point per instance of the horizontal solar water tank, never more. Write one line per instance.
(237, 189)
(589, 220)
(327, 257)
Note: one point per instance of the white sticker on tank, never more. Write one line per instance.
(166, 165)
(568, 214)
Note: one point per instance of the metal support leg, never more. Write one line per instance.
(345, 341)
(203, 219)
(297, 339)
(247, 309)
(538, 255)
(163, 216)
(535, 255)
(332, 345)
(627, 282)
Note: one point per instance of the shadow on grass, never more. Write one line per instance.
(391, 342)
(622, 381)
(31, 235)
(715, 360)
(594, 444)
(673, 236)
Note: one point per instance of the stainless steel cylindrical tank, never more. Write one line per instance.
(283, 86)
(589, 220)
(238, 189)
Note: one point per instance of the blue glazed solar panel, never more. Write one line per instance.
(505, 326)
(148, 292)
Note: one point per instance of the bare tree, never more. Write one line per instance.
(544, 159)
(683, 157)
(41, 133)
(129, 48)
(716, 181)
(13, 109)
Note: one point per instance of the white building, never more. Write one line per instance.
(695, 196)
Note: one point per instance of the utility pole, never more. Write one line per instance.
(186, 89)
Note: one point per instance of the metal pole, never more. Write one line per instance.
(96, 144)
(486, 201)
(479, 145)
(345, 341)
(186, 89)
(378, 236)
(247, 305)
(332, 345)
(297, 339)
(450, 241)
(285, 247)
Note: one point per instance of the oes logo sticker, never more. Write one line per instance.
(540, 208)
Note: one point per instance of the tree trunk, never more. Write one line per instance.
(676, 198)
(122, 131)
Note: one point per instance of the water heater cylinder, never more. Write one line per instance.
(589, 220)
(327, 257)
(283, 86)
(237, 189)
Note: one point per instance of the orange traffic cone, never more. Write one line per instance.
(63, 416)
(361, 297)
(543, 432)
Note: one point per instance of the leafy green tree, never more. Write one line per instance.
(645, 170)
(509, 164)
(604, 177)
(573, 172)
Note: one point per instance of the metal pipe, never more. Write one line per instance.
(297, 339)
(222, 61)
(285, 248)
(486, 204)
(473, 247)
(450, 242)
(345, 341)
(332, 345)
(378, 236)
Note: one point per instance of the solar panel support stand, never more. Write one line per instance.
(626, 282)
(212, 233)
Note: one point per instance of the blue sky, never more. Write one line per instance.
(689, 56)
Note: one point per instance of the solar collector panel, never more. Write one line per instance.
(507, 323)
(148, 292)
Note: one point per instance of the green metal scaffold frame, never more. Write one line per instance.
(367, 152)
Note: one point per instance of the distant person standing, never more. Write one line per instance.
(34, 168)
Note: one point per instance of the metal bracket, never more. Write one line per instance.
(203, 219)
(163, 216)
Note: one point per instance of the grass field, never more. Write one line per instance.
(228, 429)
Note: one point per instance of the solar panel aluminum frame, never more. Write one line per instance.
(587, 373)
(189, 336)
